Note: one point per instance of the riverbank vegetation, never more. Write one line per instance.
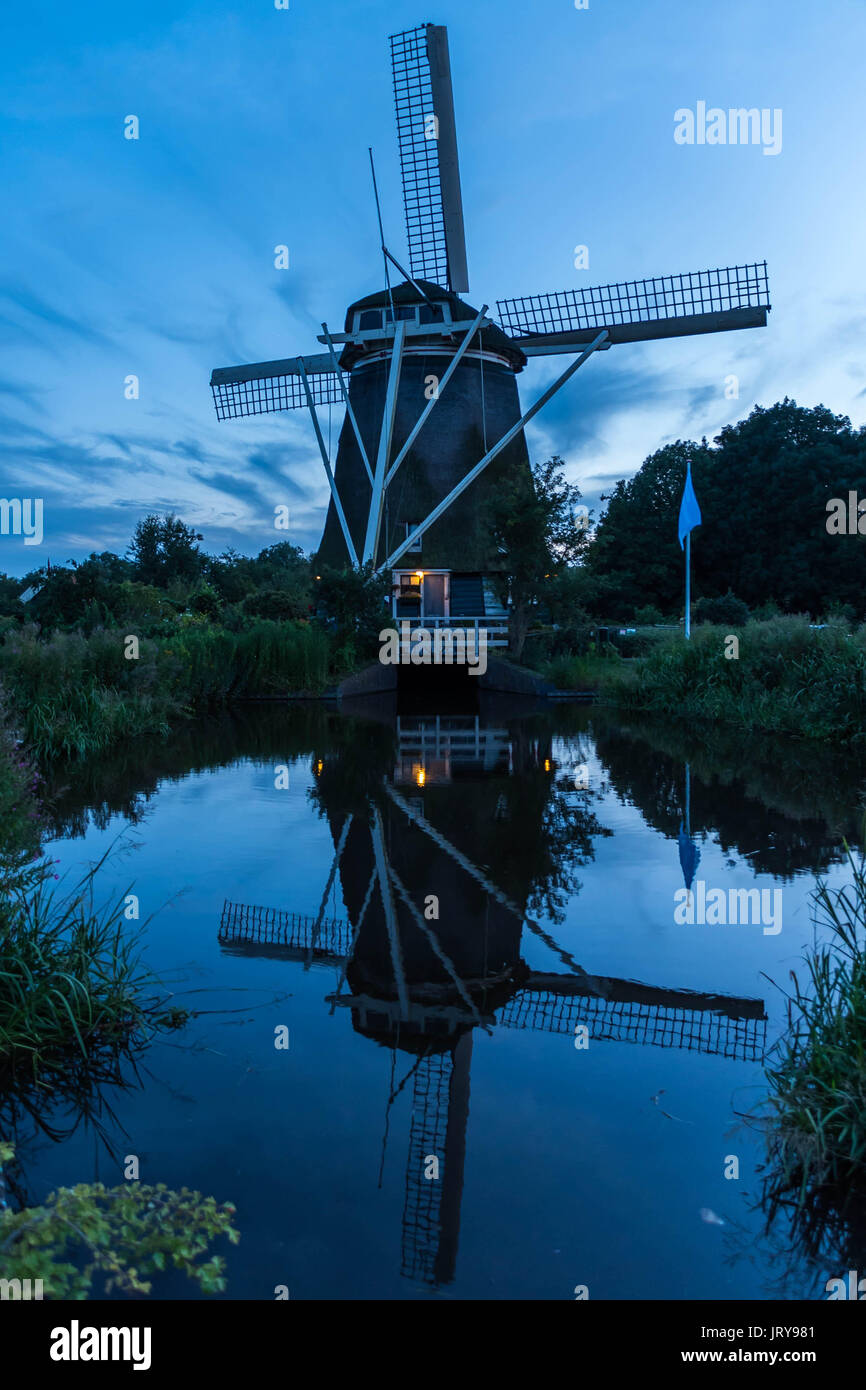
(814, 1118)
(92, 1240)
(111, 649)
(817, 1073)
(783, 676)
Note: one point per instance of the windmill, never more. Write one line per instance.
(433, 418)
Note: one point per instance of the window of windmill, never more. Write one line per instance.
(406, 312)
(410, 591)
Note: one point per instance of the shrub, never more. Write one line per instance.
(648, 616)
(728, 609)
(125, 1234)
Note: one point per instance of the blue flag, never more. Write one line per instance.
(690, 512)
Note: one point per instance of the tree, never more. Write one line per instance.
(164, 548)
(535, 530)
(763, 488)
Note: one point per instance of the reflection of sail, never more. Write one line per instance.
(612, 1009)
(626, 1011)
(431, 1211)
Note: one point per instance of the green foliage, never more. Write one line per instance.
(727, 610)
(789, 678)
(352, 602)
(206, 666)
(817, 1071)
(535, 532)
(71, 982)
(587, 672)
(119, 1236)
(164, 548)
(648, 616)
(19, 807)
(75, 695)
(277, 604)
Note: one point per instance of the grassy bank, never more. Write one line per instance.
(785, 678)
(817, 1072)
(75, 695)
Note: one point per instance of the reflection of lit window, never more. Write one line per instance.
(420, 775)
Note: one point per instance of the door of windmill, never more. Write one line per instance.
(435, 591)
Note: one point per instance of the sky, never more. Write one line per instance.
(155, 257)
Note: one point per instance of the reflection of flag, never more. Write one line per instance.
(690, 857)
(690, 512)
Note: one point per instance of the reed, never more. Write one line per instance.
(71, 979)
(817, 1071)
(786, 678)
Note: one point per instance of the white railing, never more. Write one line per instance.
(495, 628)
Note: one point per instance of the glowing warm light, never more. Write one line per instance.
(319, 766)
(419, 574)
(547, 764)
(318, 576)
(420, 776)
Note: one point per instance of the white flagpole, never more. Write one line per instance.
(688, 585)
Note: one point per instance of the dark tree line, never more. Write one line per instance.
(763, 487)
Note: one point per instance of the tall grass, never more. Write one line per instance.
(71, 980)
(787, 678)
(817, 1072)
(209, 666)
(74, 696)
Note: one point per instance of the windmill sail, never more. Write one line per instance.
(262, 387)
(668, 306)
(429, 166)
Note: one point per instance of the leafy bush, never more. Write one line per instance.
(648, 616)
(727, 609)
(126, 1234)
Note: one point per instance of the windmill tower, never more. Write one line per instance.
(433, 418)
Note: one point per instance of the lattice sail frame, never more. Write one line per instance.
(268, 386)
(419, 157)
(663, 297)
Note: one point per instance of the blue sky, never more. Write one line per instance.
(156, 257)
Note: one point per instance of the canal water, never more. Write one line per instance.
(512, 1070)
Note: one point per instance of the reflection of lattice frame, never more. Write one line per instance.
(427, 1133)
(631, 1021)
(240, 923)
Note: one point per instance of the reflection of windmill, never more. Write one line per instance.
(423, 992)
(416, 348)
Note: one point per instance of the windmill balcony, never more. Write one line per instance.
(495, 628)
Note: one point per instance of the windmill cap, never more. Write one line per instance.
(494, 338)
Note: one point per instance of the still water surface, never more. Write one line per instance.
(550, 845)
